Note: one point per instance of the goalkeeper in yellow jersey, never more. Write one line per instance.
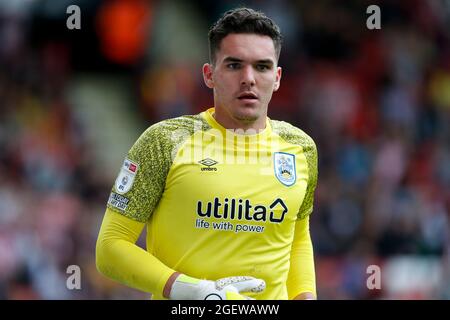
(226, 194)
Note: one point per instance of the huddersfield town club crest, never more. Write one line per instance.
(284, 165)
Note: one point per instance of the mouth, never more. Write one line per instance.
(248, 96)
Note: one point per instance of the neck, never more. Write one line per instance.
(232, 123)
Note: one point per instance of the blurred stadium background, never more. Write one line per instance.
(377, 103)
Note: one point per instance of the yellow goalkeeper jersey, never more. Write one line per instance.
(219, 202)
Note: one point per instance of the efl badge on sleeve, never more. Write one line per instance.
(125, 179)
(284, 165)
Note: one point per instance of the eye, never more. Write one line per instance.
(233, 66)
(262, 67)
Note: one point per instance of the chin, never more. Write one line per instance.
(244, 112)
(247, 117)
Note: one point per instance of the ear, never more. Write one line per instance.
(276, 85)
(208, 75)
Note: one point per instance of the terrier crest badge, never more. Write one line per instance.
(284, 165)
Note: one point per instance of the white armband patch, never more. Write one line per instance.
(126, 176)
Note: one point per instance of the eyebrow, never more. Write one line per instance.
(263, 61)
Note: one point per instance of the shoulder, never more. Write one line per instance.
(292, 134)
(164, 138)
(172, 131)
(167, 128)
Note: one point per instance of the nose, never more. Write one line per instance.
(248, 76)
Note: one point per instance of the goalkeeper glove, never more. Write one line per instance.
(188, 288)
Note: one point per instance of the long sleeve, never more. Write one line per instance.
(301, 276)
(119, 258)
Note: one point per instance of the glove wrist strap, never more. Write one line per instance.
(169, 283)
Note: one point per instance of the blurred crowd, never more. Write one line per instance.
(376, 102)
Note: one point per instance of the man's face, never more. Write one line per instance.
(243, 78)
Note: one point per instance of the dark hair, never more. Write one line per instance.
(243, 20)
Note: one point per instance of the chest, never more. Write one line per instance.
(259, 181)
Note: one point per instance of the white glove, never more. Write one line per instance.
(188, 288)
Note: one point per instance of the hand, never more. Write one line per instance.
(188, 288)
(305, 296)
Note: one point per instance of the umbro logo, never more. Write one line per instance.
(208, 164)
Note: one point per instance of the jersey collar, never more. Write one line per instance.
(208, 115)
